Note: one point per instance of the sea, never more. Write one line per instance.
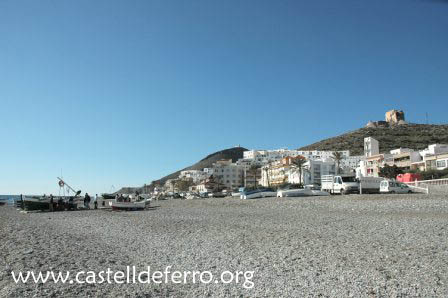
(10, 199)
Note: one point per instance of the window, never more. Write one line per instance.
(441, 163)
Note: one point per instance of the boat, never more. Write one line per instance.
(107, 196)
(192, 196)
(236, 194)
(300, 192)
(42, 203)
(60, 203)
(258, 193)
(129, 205)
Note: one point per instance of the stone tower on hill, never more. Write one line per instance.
(394, 117)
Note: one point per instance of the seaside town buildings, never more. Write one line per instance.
(271, 168)
(433, 157)
(229, 174)
(283, 171)
(266, 168)
(276, 167)
(196, 175)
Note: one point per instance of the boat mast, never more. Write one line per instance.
(68, 186)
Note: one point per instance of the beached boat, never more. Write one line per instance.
(192, 196)
(258, 193)
(236, 194)
(128, 206)
(300, 192)
(36, 203)
(43, 203)
(107, 196)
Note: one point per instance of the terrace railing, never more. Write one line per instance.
(429, 182)
(425, 185)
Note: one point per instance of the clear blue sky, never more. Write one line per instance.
(123, 92)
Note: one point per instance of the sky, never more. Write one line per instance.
(119, 93)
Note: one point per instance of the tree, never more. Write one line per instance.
(337, 157)
(298, 163)
(390, 172)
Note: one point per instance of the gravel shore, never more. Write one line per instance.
(339, 246)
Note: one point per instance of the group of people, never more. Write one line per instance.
(129, 198)
(87, 200)
(60, 204)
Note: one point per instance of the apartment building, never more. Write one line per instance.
(264, 157)
(195, 175)
(283, 171)
(436, 161)
(228, 174)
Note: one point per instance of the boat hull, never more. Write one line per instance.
(300, 193)
(128, 206)
(43, 204)
(108, 196)
(259, 194)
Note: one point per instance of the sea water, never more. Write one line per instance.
(9, 198)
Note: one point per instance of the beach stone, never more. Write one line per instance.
(338, 246)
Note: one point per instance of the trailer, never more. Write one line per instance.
(369, 184)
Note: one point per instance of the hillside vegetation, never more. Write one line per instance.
(414, 136)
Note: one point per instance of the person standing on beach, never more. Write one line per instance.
(95, 202)
(51, 203)
(87, 201)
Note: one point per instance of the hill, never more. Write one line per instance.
(231, 153)
(414, 136)
(207, 162)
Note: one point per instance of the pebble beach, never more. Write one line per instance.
(338, 246)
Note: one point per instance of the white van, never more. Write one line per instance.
(394, 187)
(340, 184)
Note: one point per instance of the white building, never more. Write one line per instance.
(401, 151)
(434, 149)
(318, 168)
(263, 157)
(208, 171)
(351, 162)
(229, 174)
(371, 147)
(195, 175)
(280, 172)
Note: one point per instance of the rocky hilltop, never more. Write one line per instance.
(414, 136)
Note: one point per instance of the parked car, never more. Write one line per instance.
(394, 187)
